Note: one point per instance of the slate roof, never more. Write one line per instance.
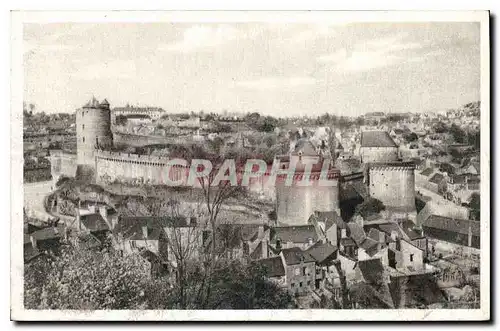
(257, 252)
(356, 233)
(376, 139)
(94, 222)
(374, 234)
(407, 227)
(370, 246)
(329, 217)
(87, 241)
(347, 242)
(273, 265)
(437, 178)
(294, 234)
(372, 270)
(295, 255)
(30, 253)
(131, 227)
(460, 226)
(48, 233)
(321, 251)
(392, 227)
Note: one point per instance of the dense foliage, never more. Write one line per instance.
(108, 280)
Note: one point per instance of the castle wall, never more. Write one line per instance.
(136, 169)
(394, 186)
(378, 154)
(93, 126)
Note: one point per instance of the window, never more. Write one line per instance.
(293, 285)
(83, 126)
(300, 284)
(304, 271)
(308, 283)
(297, 271)
(411, 257)
(83, 139)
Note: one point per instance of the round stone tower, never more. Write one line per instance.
(93, 131)
(393, 183)
(297, 202)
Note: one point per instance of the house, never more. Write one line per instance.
(462, 232)
(274, 268)
(472, 168)
(45, 240)
(373, 286)
(437, 183)
(163, 236)
(94, 224)
(244, 240)
(377, 146)
(284, 237)
(328, 225)
(300, 270)
(324, 254)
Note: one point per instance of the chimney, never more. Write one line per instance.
(145, 231)
(343, 233)
(381, 237)
(33, 242)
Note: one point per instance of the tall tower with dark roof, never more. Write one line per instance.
(93, 131)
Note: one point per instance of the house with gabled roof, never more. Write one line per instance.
(284, 237)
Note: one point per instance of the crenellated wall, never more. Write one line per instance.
(139, 169)
(393, 184)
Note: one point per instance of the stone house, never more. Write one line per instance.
(302, 236)
(300, 270)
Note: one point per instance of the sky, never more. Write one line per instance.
(276, 69)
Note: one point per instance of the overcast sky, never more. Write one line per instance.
(277, 69)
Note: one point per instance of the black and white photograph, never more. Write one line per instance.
(250, 166)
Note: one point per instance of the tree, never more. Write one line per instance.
(369, 207)
(474, 139)
(267, 124)
(458, 134)
(440, 127)
(252, 118)
(410, 137)
(82, 279)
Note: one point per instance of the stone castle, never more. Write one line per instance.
(385, 177)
